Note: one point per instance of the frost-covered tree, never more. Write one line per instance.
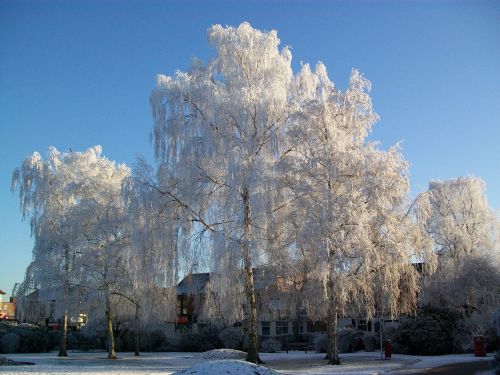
(153, 261)
(106, 232)
(216, 137)
(354, 224)
(276, 168)
(45, 199)
(466, 236)
(72, 202)
(462, 223)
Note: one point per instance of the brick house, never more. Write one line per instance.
(7, 309)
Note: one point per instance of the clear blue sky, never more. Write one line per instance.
(79, 73)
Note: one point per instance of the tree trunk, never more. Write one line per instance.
(253, 339)
(109, 324)
(136, 343)
(64, 337)
(381, 322)
(332, 323)
(332, 344)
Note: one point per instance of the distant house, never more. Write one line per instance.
(273, 321)
(7, 309)
(39, 311)
(191, 293)
(40, 308)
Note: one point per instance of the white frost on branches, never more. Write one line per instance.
(275, 165)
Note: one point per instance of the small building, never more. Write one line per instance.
(7, 309)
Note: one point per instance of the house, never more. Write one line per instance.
(41, 308)
(191, 293)
(7, 309)
(272, 290)
(41, 311)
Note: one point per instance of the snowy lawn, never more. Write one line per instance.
(227, 366)
(361, 363)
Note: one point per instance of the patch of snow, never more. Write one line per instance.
(228, 366)
(221, 354)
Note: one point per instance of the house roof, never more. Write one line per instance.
(2, 292)
(194, 283)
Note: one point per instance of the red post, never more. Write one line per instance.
(479, 346)
(388, 349)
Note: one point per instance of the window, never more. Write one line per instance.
(266, 328)
(391, 320)
(282, 327)
(363, 325)
(182, 306)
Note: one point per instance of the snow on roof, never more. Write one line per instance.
(227, 367)
(2, 292)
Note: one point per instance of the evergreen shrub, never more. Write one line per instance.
(10, 343)
(231, 337)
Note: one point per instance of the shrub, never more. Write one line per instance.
(370, 343)
(231, 337)
(432, 332)
(149, 341)
(350, 340)
(157, 340)
(492, 340)
(200, 342)
(190, 342)
(33, 340)
(320, 343)
(210, 338)
(82, 341)
(10, 343)
(270, 346)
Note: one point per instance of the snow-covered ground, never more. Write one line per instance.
(227, 366)
(361, 363)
